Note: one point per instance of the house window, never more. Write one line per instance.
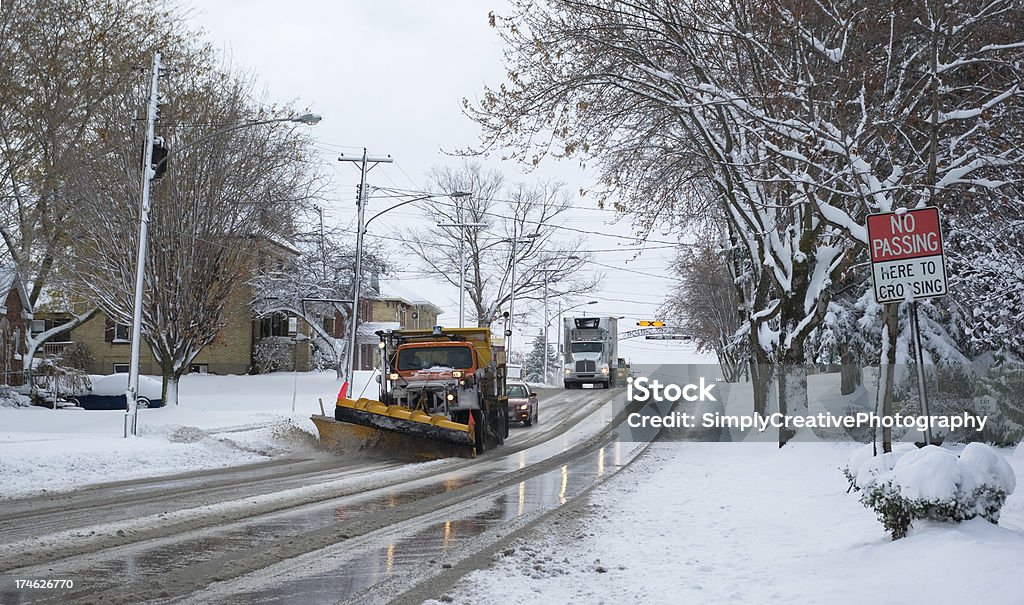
(329, 325)
(117, 332)
(122, 332)
(199, 368)
(38, 325)
(121, 368)
(276, 324)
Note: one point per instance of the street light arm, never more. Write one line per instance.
(310, 119)
(399, 205)
(456, 194)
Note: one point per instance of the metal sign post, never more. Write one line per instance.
(907, 265)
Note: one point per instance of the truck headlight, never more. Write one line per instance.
(456, 373)
(393, 376)
(451, 396)
(568, 371)
(604, 369)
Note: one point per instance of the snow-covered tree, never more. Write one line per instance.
(705, 304)
(228, 199)
(315, 284)
(60, 62)
(797, 118)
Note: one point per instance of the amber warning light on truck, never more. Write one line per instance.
(906, 255)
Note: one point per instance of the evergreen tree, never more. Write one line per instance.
(533, 364)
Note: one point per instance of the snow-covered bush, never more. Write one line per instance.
(76, 356)
(9, 398)
(274, 354)
(931, 483)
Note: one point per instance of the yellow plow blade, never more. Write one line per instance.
(394, 431)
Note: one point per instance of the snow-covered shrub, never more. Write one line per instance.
(50, 376)
(274, 354)
(76, 356)
(931, 483)
(9, 398)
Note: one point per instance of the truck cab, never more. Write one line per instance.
(591, 351)
(457, 373)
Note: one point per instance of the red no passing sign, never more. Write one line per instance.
(906, 255)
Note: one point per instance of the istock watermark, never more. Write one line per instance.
(644, 389)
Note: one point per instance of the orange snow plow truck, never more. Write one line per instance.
(442, 393)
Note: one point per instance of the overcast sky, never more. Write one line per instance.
(390, 76)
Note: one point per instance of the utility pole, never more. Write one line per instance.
(131, 418)
(323, 251)
(547, 277)
(462, 259)
(361, 199)
(526, 239)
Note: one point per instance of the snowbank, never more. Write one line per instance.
(220, 421)
(731, 523)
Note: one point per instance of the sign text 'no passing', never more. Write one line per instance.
(906, 255)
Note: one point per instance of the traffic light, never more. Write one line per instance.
(160, 154)
(644, 323)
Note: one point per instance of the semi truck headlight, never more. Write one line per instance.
(568, 371)
(456, 373)
(393, 376)
(451, 396)
(604, 369)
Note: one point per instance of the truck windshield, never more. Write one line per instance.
(434, 357)
(586, 347)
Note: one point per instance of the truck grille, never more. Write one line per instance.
(586, 365)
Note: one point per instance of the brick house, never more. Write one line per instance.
(231, 352)
(391, 306)
(15, 312)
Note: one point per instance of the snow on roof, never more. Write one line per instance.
(371, 327)
(9, 281)
(8, 272)
(394, 291)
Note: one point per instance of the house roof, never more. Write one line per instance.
(391, 290)
(9, 281)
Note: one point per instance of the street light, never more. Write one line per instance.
(526, 239)
(131, 419)
(462, 261)
(547, 273)
(360, 232)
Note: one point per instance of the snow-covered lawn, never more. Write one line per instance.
(220, 421)
(749, 523)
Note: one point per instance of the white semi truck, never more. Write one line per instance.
(591, 351)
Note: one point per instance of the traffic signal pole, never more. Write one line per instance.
(131, 418)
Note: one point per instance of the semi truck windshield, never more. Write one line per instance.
(586, 347)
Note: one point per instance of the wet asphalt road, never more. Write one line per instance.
(366, 541)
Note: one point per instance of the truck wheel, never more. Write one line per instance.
(501, 419)
(479, 430)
